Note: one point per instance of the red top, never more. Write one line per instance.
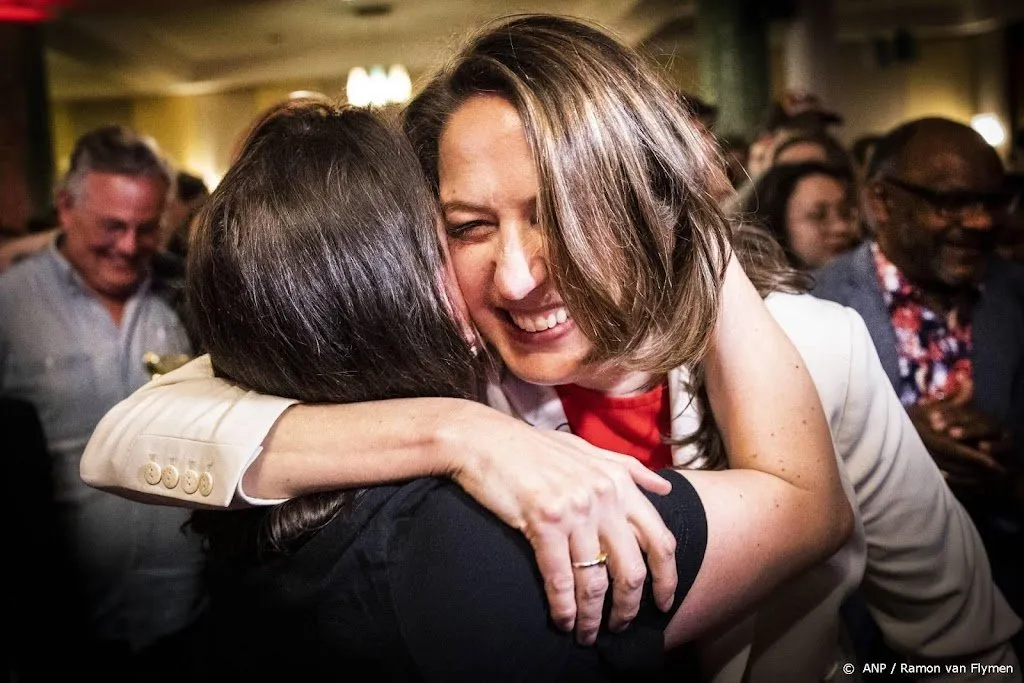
(632, 425)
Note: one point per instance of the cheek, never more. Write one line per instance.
(920, 232)
(90, 243)
(471, 272)
(802, 236)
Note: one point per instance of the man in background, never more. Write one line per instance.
(76, 320)
(946, 315)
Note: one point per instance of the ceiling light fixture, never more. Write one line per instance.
(377, 87)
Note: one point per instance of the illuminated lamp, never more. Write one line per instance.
(378, 87)
(989, 127)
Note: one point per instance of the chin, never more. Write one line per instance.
(121, 287)
(536, 369)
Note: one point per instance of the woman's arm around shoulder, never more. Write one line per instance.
(184, 438)
(781, 507)
(236, 447)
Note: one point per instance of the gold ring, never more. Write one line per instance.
(598, 561)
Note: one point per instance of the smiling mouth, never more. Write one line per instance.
(539, 322)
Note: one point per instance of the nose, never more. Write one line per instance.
(842, 223)
(976, 217)
(521, 266)
(127, 242)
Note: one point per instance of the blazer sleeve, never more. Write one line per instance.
(927, 581)
(185, 438)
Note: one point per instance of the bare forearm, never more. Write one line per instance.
(321, 447)
(747, 556)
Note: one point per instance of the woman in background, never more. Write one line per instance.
(810, 208)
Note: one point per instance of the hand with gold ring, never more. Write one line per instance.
(598, 561)
(573, 502)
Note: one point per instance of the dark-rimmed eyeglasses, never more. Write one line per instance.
(956, 202)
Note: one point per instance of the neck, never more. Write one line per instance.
(618, 382)
(115, 308)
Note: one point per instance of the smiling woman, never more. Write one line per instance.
(607, 211)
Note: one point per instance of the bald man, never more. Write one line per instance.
(947, 317)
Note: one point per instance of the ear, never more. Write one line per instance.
(64, 203)
(876, 202)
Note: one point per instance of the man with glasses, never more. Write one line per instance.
(76, 321)
(947, 317)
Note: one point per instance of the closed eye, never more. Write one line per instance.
(467, 230)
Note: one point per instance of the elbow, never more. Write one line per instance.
(840, 524)
(833, 522)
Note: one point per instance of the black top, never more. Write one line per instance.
(419, 583)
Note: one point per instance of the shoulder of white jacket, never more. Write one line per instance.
(199, 368)
(805, 310)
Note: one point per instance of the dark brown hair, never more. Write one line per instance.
(314, 273)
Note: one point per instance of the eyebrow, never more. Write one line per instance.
(462, 206)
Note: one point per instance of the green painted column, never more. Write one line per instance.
(732, 43)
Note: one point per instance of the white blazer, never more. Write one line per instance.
(924, 570)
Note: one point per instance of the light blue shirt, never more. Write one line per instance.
(62, 351)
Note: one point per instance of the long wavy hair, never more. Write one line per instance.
(314, 273)
(629, 189)
(628, 184)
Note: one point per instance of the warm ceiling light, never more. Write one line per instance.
(380, 90)
(399, 84)
(357, 89)
(989, 127)
(378, 87)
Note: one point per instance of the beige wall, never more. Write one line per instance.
(198, 133)
(169, 121)
(955, 77)
(682, 70)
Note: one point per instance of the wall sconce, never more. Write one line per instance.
(989, 127)
(377, 87)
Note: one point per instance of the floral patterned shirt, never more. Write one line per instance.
(934, 349)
